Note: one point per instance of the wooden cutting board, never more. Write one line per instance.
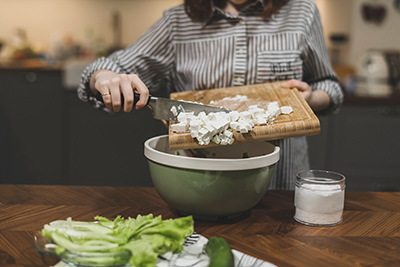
(301, 122)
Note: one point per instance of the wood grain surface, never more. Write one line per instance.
(368, 236)
(301, 122)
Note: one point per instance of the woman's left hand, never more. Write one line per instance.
(303, 87)
(317, 99)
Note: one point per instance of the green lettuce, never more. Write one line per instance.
(145, 237)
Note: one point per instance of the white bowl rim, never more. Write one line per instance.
(209, 164)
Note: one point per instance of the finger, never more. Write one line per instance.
(293, 83)
(303, 86)
(141, 89)
(290, 83)
(127, 91)
(103, 89)
(115, 93)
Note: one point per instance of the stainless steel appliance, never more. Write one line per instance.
(378, 73)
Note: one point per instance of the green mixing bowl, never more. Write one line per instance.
(212, 182)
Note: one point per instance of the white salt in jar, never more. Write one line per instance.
(319, 197)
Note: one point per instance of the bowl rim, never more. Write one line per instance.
(209, 164)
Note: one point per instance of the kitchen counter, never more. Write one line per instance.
(393, 99)
(368, 236)
(40, 65)
(29, 65)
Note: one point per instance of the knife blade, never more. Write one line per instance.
(169, 109)
(163, 108)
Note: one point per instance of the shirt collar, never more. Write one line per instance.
(219, 13)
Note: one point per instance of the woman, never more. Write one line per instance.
(205, 44)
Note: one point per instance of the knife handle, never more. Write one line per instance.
(136, 98)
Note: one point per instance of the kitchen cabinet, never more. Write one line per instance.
(32, 127)
(49, 136)
(107, 149)
(362, 142)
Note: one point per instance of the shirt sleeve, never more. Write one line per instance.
(318, 72)
(150, 58)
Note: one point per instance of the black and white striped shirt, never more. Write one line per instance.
(176, 54)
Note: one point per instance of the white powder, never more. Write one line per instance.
(319, 204)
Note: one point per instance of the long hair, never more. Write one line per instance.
(201, 10)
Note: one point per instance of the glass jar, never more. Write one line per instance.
(319, 197)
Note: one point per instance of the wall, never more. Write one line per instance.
(344, 16)
(48, 21)
(331, 21)
(369, 35)
(336, 16)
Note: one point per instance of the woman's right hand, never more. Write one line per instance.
(112, 85)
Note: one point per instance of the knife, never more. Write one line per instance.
(169, 109)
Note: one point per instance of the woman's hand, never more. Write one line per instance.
(112, 85)
(317, 99)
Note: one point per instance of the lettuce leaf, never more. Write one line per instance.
(146, 237)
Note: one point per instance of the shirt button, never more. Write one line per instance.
(241, 51)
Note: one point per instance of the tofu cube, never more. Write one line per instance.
(260, 121)
(211, 129)
(223, 142)
(202, 115)
(286, 109)
(234, 125)
(195, 125)
(228, 134)
(257, 112)
(182, 117)
(234, 116)
(273, 109)
(253, 107)
(243, 128)
(203, 132)
(174, 111)
(205, 120)
(230, 141)
(179, 127)
(194, 134)
(216, 139)
(245, 115)
(211, 116)
(273, 106)
(225, 124)
(206, 140)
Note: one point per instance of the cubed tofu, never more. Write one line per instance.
(203, 132)
(286, 109)
(180, 127)
(228, 134)
(234, 116)
(195, 125)
(245, 115)
(174, 111)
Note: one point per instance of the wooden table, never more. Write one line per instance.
(368, 236)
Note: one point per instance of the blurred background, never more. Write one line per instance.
(47, 136)
(90, 27)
